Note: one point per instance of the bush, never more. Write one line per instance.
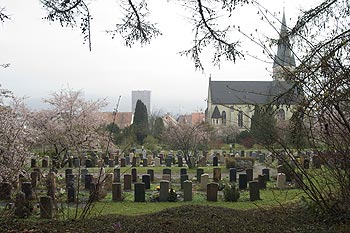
(231, 193)
(246, 139)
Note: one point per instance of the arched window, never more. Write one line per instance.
(281, 115)
(223, 117)
(240, 119)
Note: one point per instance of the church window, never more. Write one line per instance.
(240, 119)
(223, 117)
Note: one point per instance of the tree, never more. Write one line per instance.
(72, 124)
(263, 125)
(140, 122)
(189, 139)
(16, 136)
(158, 128)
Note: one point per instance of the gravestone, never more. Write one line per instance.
(111, 163)
(70, 161)
(33, 163)
(127, 160)
(183, 171)
(133, 163)
(266, 172)
(146, 178)
(144, 162)
(116, 175)
(242, 153)
(45, 162)
(122, 162)
(34, 178)
(70, 188)
(262, 181)
(46, 207)
(217, 174)
(134, 175)
(106, 160)
(27, 190)
(254, 192)
(167, 171)
(200, 171)
(233, 174)
(127, 182)
(212, 192)
(83, 172)
(38, 170)
(117, 192)
(249, 172)
(187, 187)
(179, 161)
(215, 161)
(242, 181)
(88, 163)
(116, 160)
(5, 191)
(149, 160)
(88, 181)
(51, 185)
(76, 162)
(204, 181)
(281, 181)
(157, 162)
(150, 172)
(183, 178)
(168, 161)
(139, 192)
(164, 190)
(22, 208)
(261, 158)
(222, 160)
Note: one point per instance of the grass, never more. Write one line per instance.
(270, 198)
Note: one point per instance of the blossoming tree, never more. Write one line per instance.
(71, 124)
(16, 136)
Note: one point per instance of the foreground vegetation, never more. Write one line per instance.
(187, 218)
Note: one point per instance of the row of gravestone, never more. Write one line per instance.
(107, 179)
(46, 203)
(134, 161)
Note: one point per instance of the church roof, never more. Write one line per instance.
(216, 113)
(284, 56)
(246, 92)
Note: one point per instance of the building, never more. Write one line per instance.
(144, 96)
(233, 102)
(122, 119)
(192, 119)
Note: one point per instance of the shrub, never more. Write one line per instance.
(231, 193)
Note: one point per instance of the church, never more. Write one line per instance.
(232, 103)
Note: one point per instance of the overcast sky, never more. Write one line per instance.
(45, 57)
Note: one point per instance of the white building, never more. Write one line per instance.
(144, 96)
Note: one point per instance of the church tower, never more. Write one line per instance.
(284, 59)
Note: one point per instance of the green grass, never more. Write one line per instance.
(270, 198)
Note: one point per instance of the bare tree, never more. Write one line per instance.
(189, 139)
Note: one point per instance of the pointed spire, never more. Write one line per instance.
(284, 57)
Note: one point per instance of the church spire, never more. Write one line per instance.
(284, 57)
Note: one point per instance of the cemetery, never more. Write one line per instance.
(129, 185)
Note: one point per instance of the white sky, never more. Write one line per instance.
(45, 57)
